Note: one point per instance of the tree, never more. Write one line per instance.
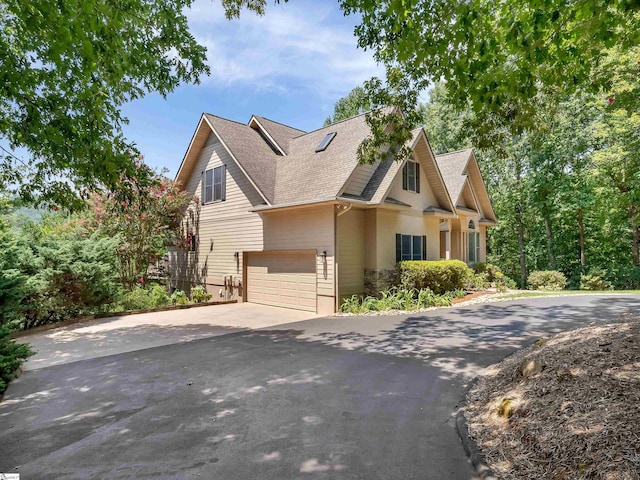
(67, 69)
(145, 219)
(355, 103)
(496, 57)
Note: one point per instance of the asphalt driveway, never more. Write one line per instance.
(339, 398)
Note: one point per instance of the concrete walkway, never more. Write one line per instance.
(339, 398)
(113, 335)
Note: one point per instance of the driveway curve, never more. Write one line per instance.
(341, 397)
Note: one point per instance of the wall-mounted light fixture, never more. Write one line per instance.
(324, 254)
(236, 255)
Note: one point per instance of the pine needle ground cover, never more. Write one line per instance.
(565, 408)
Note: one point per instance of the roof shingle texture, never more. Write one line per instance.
(306, 175)
(452, 166)
(282, 134)
(250, 150)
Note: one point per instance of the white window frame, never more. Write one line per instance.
(210, 184)
(473, 243)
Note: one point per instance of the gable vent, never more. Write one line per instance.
(325, 142)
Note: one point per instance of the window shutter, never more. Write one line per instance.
(202, 188)
(405, 172)
(224, 182)
(398, 247)
(424, 247)
(417, 177)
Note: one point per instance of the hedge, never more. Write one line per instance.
(440, 276)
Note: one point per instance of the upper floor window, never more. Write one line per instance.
(214, 185)
(411, 176)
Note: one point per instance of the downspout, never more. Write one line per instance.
(339, 212)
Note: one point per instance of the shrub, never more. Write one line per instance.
(440, 276)
(159, 296)
(199, 294)
(595, 280)
(179, 298)
(493, 271)
(479, 281)
(546, 280)
(397, 299)
(352, 304)
(626, 278)
(137, 299)
(12, 355)
(503, 283)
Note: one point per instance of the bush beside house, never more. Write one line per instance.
(547, 280)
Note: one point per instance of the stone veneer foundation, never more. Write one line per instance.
(376, 281)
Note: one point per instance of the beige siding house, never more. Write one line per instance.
(288, 218)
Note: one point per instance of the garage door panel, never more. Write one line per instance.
(280, 279)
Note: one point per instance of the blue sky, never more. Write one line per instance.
(290, 65)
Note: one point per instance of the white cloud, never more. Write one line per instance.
(296, 45)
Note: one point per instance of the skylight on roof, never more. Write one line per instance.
(325, 142)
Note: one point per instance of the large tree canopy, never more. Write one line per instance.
(498, 57)
(67, 68)
(355, 103)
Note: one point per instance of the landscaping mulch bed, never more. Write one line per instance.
(565, 408)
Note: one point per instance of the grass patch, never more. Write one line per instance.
(526, 294)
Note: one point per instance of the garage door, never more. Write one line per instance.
(282, 279)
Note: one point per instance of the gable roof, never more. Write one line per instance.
(280, 133)
(281, 162)
(461, 168)
(452, 165)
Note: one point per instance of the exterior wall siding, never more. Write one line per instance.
(351, 253)
(223, 227)
(360, 178)
(303, 229)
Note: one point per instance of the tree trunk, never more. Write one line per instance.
(523, 258)
(633, 216)
(583, 261)
(550, 247)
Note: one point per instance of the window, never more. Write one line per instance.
(325, 142)
(214, 185)
(473, 244)
(411, 176)
(411, 247)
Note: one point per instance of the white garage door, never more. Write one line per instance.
(282, 279)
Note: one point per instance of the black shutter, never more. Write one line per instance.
(424, 247)
(417, 177)
(398, 247)
(223, 187)
(404, 176)
(202, 188)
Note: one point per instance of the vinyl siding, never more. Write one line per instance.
(224, 227)
(302, 229)
(351, 252)
(360, 178)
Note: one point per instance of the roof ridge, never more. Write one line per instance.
(336, 123)
(227, 119)
(455, 151)
(279, 123)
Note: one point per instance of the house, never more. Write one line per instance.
(289, 218)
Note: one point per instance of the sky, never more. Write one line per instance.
(291, 66)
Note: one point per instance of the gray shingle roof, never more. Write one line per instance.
(281, 133)
(306, 175)
(452, 166)
(250, 150)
